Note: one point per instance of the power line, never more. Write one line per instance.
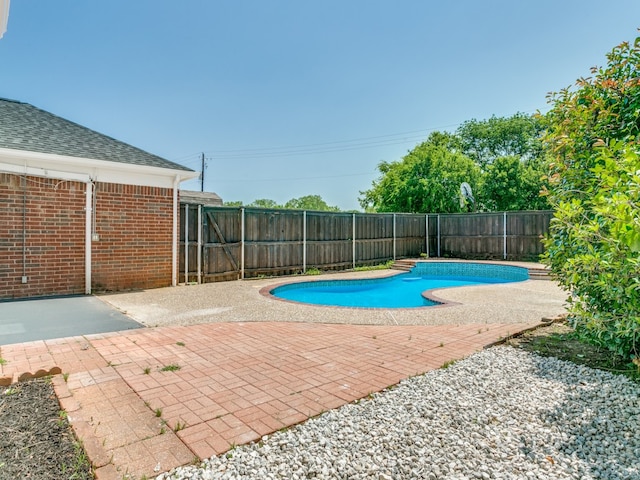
(312, 151)
(289, 179)
(315, 148)
(305, 146)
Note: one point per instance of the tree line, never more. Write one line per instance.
(501, 160)
(307, 202)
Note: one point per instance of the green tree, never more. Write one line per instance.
(427, 179)
(593, 245)
(485, 140)
(512, 184)
(310, 202)
(264, 203)
(233, 203)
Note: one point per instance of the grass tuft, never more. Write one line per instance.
(171, 368)
(448, 363)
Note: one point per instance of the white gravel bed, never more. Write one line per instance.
(500, 414)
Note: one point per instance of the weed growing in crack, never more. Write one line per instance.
(171, 368)
(448, 363)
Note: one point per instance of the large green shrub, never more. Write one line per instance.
(593, 247)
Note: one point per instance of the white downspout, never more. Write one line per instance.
(174, 246)
(304, 241)
(242, 241)
(87, 237)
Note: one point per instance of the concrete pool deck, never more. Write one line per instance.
(242, 301)
(231, 365)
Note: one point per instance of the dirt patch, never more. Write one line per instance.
(560, 340)
(37, 441)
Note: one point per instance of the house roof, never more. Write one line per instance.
(28, 128)
(208, 199)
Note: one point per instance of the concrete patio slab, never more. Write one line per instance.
(60, 317)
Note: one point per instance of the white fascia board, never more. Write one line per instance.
(98, 170)
(43, 172)
(4, 16)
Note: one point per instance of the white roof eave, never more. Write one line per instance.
(99, 170)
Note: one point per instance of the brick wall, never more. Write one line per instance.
(134, 224)
(54, 239)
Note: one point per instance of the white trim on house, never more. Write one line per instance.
(41, 172)
(4, 16)
(87, 237)
(97, 170)
(174, 233)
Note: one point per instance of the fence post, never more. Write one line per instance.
(353, 240)
(304, 241)
(426, 217)
(504, 236)
(394, 237)
(242, 242)
(186, 243)
(438, 236)
(199, 252)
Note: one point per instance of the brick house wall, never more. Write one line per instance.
(134, 224)
(54, 236)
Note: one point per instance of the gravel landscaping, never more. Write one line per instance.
(502, 413)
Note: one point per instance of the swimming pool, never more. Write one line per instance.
(399, 291)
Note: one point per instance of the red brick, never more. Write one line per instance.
(134, 224)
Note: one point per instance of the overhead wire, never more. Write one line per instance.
(316, 148)
(311, 149)
(323, 147)
(290, 179)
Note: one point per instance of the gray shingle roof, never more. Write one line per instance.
(209, 199)
(25, 127)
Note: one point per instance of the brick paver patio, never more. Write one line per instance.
(146, 401)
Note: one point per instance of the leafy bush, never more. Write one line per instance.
(593, 247)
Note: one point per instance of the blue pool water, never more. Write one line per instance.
(399, 291)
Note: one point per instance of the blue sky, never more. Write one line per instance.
(291, 98)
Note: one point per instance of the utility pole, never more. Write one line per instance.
(202, 174)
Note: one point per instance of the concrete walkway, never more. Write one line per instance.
(59, 317)
(145, 401)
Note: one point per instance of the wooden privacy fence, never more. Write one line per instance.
(222, 243)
